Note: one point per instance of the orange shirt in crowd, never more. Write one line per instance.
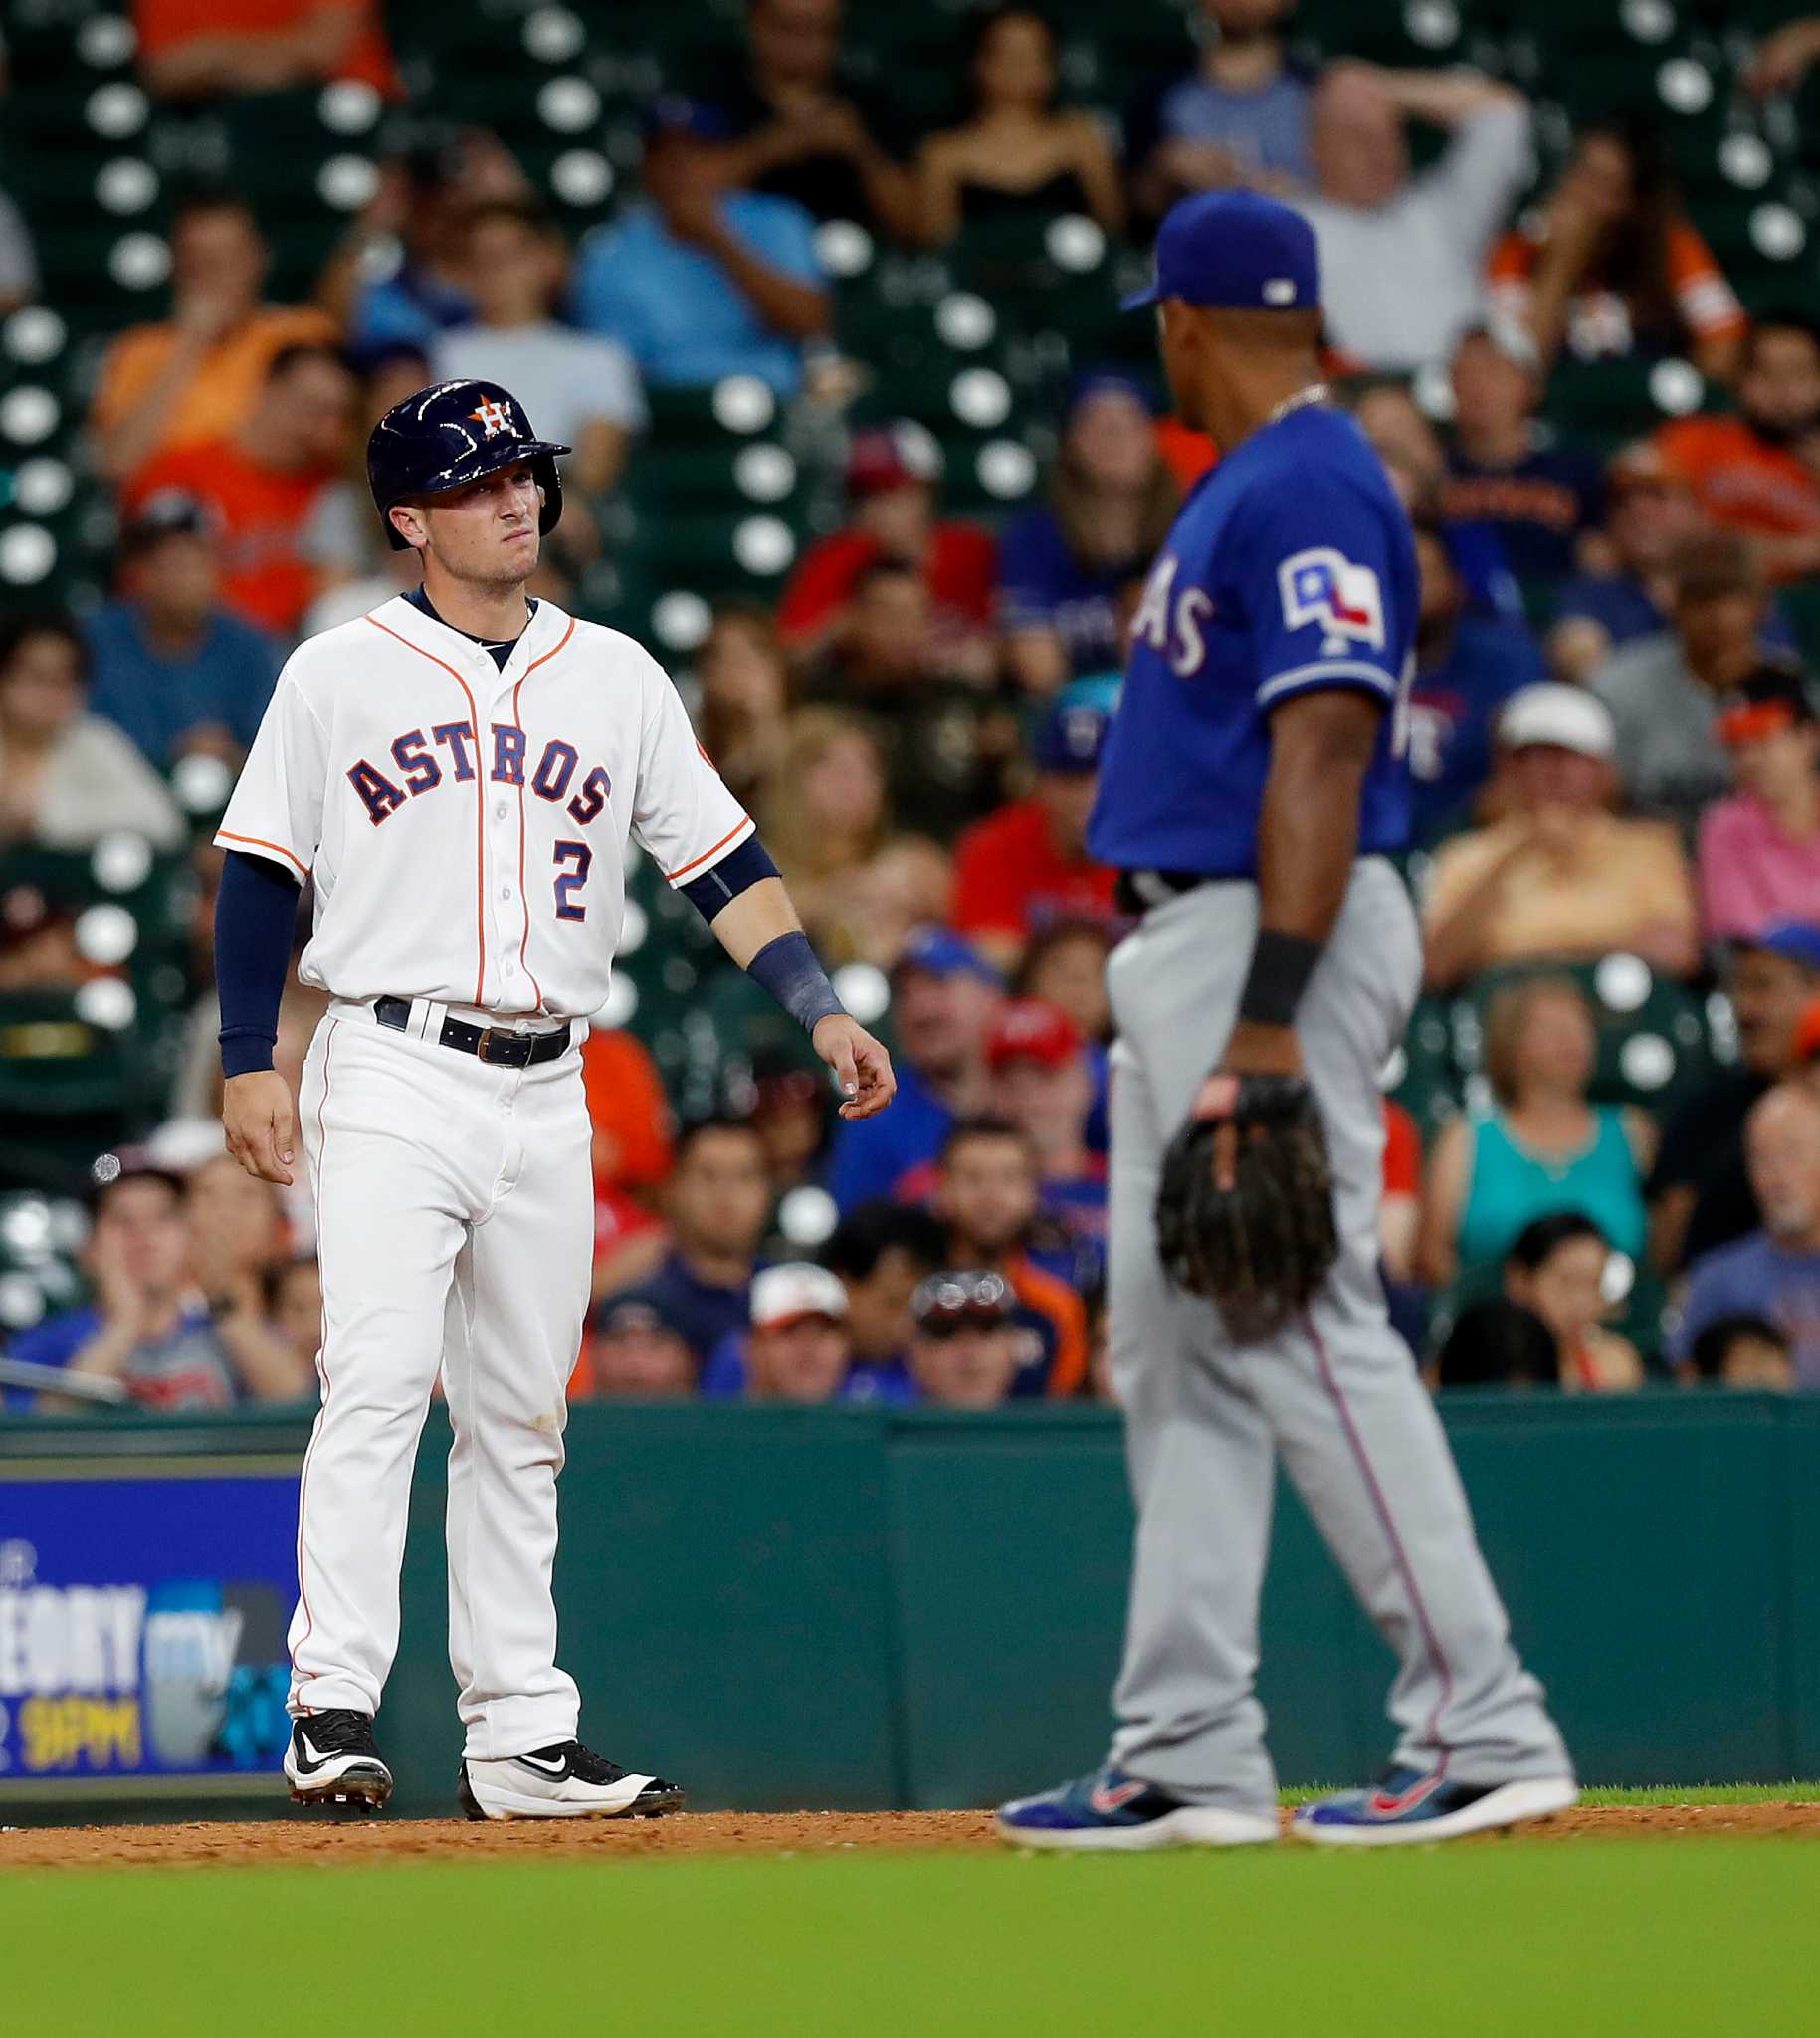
(227, 382)
(165, 24)
(1052, 1298)
(1598, 320)
(260, 514)
(1742, 481)
(627, 1108)
(1186, 454)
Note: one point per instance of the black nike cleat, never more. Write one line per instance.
(332, 1760)
(567, 1781)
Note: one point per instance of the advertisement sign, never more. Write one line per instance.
(142, 1627)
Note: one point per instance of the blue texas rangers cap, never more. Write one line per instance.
(938, 952)
(1071, 737)
(1234, 250)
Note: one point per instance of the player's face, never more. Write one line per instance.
(487, 533)
(803, 1362)
(972, 1368)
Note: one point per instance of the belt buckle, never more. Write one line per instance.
(483, 1046)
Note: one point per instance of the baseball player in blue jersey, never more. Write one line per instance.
(1252, 790)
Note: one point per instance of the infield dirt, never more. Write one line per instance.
(308, 1841)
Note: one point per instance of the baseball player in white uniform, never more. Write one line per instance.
(461, 773)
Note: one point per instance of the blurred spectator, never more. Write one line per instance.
(1759, 850)
(1748, 468)
(943, 997)
(586, 390)
(881, 1251)
(1557, 873)
(1806, 1050)
(1541, 1148)
(343, 540)
(949, 741)
(1411, 450)
(744, 714)
(1746, 1352)
(173, 1348)
(18, 259)
(1399, 1211)
(169, 665)
(801, 129)
(238, 1237)
(67, 777)
(1556, 1266)
(1467, 668)
(1043, 1084)
(891, 506)
(293, 1304)
(260, 483)
(1650, 513)
(790, 1113)
(198, 379)
(1784, 58)
(37, 948)
(1700, 1192)
(1064, 965)
(1665, 691)
(904, 885)
(1017, 157)
(1064, 563)
(195, 49)
(639, 1352)
(825, 816)
(1774, 1272)
(1539, 499)
(1240, 117)
(701, 279)
(964, 1350)
(1402, 256)
(988, 1195)
(400, 275)
(798, 1348)
(632, 1153)
(1027, 863)
(718, 1200)
(1496, 1343)
(1611, 265)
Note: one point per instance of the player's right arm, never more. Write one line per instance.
(270, 832)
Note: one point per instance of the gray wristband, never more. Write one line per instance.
(787, 968)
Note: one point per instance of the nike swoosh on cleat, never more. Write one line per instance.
(1117, 1797)
(313, 1756)
(543, 1768)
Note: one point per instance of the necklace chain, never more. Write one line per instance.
(1314, 392)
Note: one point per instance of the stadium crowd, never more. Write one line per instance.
(1604, 1138)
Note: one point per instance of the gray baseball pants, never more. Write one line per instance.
(1337, 1397)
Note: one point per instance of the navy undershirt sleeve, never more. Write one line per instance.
(255, 914)
(738, 871)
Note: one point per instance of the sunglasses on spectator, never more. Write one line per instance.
(947, 1303)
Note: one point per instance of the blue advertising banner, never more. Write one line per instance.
(142, 1619)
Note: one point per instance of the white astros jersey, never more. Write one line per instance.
(466, 827)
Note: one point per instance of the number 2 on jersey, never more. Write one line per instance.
(581, 855)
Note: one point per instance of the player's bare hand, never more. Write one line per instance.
(257, 1117)
(862, 1067)
(1252, 1050)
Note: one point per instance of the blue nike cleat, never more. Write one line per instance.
(1113, 1811)
(1411, 1805)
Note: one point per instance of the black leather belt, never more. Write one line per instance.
(495, 1044)
(1137, 891)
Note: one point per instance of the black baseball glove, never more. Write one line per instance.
(1259, 1247)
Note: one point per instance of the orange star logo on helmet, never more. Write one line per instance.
(495, 417)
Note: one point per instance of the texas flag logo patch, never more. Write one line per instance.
(1325, 586)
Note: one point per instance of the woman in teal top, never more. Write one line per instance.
(1541, 1148)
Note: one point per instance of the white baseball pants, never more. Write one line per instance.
(455, 1218)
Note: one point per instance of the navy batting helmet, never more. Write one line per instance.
(452, 434)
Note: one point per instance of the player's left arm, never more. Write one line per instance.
(1329, 661)
(685, 817)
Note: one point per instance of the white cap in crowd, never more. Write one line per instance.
(786, 1295)
(1569, 718)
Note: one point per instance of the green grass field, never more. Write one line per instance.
(1589, 1935)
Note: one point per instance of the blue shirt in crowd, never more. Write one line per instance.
(1754, 1277)
(1042, 585)
(1453, 718)
(701, 1313)
(157, 699)
(1538, 508)
(1291, 568)
(1267, 130)
(678, 311)
(409, 307)
(872, 1155)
